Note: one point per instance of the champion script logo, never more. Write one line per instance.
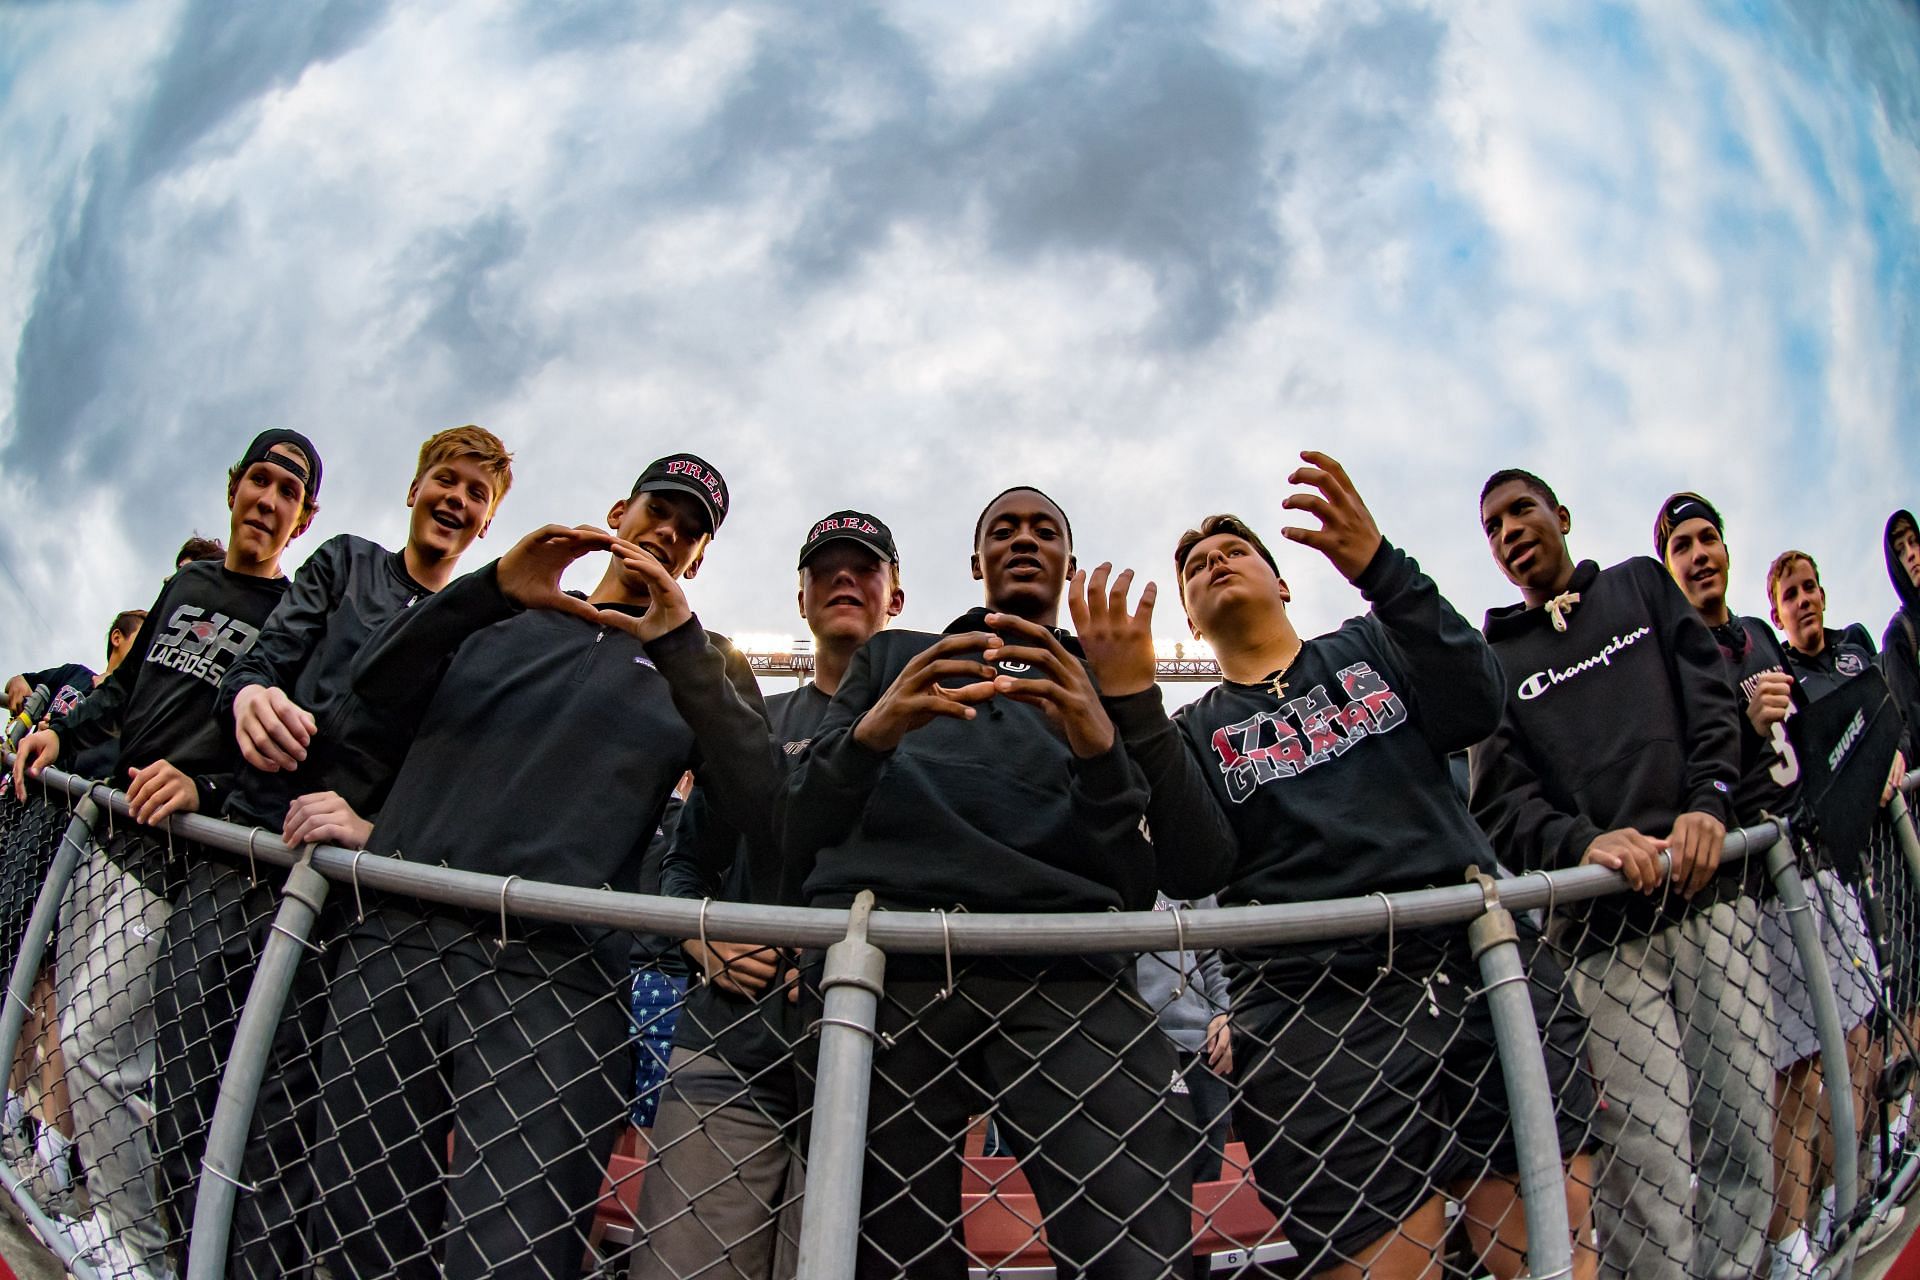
(1541, 681)
(1266, 746)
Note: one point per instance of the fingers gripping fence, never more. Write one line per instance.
(355, 1066)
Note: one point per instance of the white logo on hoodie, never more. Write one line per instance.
(1541, 681)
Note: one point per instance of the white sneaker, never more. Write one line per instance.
(1793, 1258)
(1880, 1227)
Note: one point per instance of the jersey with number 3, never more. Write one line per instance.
(1769, 764)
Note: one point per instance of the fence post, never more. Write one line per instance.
(1903, 832)
(213, 1203)
(1536, 1139)
(1833, 1042)
(830, 1214)
(26, 966)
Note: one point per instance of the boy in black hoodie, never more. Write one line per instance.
(723, 1192)
(1688, 536)
(550, 730)
(977, 771)
(1901, 640)
(309, 771)
(160, 703)
(1620, 746)
(1318, 768)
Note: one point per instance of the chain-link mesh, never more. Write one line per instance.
(451, 1092)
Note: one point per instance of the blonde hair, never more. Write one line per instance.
(474, 442)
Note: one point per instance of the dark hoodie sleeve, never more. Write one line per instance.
(100, 715)
(1901, 666)
(1709, 708)
(714, 691)
(1885, 660)
(827, 789)
(1109, 795)
(291, 632)
(400, 671)
(686, 869)
(1194, 845)
(1529, 832)
(1456, 679)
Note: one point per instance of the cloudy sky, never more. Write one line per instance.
(898, 257)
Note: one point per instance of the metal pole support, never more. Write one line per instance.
(13, 1015)
(220, 1181)
(1903, 831)
(830, 1216)
(1536, 1139)
(1833, 1042)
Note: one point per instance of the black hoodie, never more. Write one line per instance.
(160, 699)
(1625, 719)
(1900, 643)
(990, 814)
(1343, 786)
(343, 595)
(547, 746)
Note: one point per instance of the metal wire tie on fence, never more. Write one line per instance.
(1477, 992)
(1549, 879)
(946, 946)
(229, 1179)
(1180, 941)
(353, 873)
(872, 1033)
(1387, 902)
(253, 868)
(504, 886)
(706, 956)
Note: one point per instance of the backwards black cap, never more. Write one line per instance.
(851, 526)
(686, 473)
(261, 450)
(1676, 511)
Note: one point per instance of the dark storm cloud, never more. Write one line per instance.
(78, 377)
(476, 320)
(1138, 139)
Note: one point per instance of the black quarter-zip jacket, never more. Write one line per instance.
(547, 745)
(1342, 786)
(1625, 719)
(160, 699)
(342, 597)
(990, 814)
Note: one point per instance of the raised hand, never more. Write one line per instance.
(1772, 701)
(272, 729)
(1118, 644)
(530, 572)
(916, 695)
(1347, 534)
(667, 605)
(1065, 692)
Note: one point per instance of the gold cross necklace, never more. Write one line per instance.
(1278, 680)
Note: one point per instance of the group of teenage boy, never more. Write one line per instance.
(447, 1086)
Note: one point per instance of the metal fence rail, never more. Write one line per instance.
(289, 1061)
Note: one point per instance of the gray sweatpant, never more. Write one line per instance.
(1682, 1047)
(110, 933)
(721, 1197)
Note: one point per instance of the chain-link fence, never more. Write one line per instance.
(233, 1058)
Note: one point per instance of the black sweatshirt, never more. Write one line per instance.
(1901, 640)
(546, 746)
(753, 1037)
(1625, 719)
(68, 684)
(1338, 789)
(1769, 766)
(341, 598)
(990, 814)
(160, 699)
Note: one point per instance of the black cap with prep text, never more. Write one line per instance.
(851, 526)
(686, 473)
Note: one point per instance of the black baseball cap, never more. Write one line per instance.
(261, 450)
(851, 526)
(686, 473)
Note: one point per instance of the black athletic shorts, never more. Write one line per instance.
(1360, 1094)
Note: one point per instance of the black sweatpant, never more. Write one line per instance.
(436, 1030)
(212, 947)
(1078, 1073)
